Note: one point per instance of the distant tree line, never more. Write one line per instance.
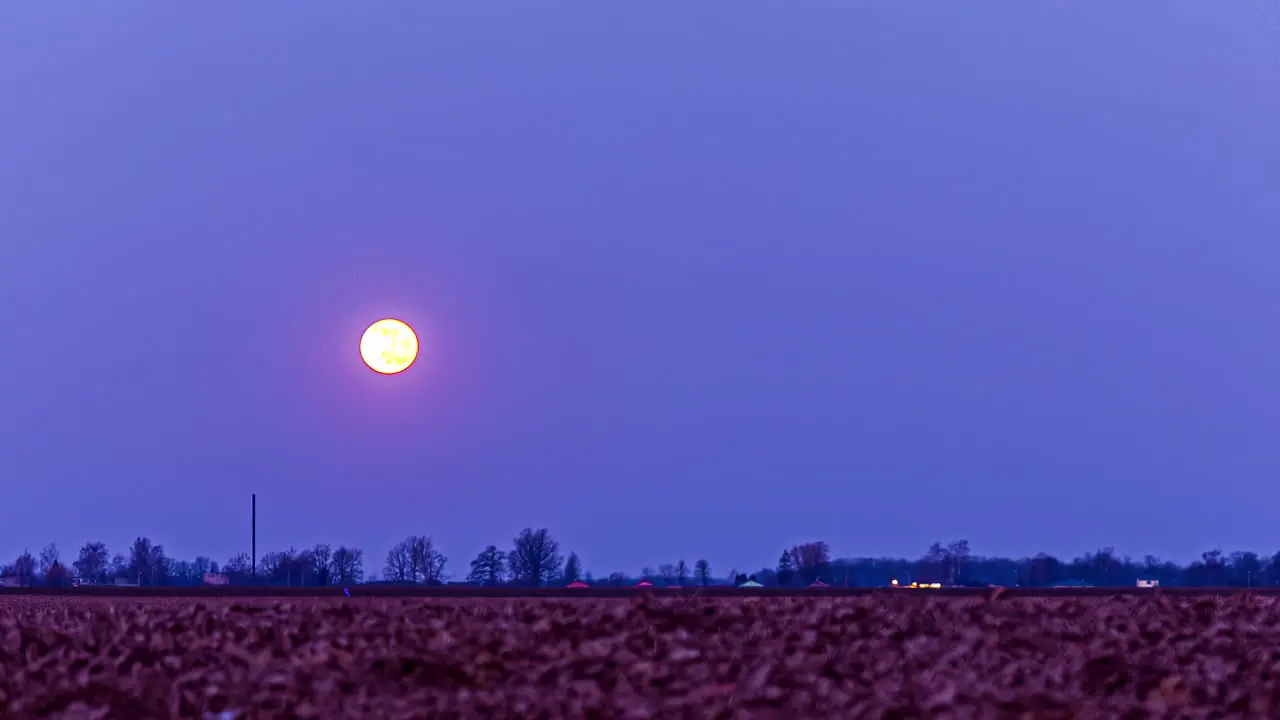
(534, 559)
(955, 564)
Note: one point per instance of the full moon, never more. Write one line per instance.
(389, 347)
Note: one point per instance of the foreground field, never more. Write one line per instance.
(649, 657)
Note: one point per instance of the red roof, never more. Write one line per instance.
(577, 584)
(644, 583)
(818, 583)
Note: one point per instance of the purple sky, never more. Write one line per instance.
(693, 280)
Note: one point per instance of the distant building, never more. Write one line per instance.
(11, 581)
(1149, 583)
(122, 582)
(217, 579)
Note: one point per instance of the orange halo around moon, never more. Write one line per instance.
(389, 346)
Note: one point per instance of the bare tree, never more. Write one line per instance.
(269, 565)
(92, 563)
(238, 565)
(958, 557)
(290, 567)
(24, 568)
(667, 571)
(786, 569)
(295, 567)
(348, 565)
(535, 557)
(812, 560)
(702, 572)
(489, 567)
(321, 563)
(1106, 557)
(147, 562)
(48, 558)
(140, 560)
(572, 568)
(398, 567)
(426, 563)
(682, 572)
(118, 567)
(183, 572)
(1247, 566)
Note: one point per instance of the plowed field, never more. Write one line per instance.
(874, 657)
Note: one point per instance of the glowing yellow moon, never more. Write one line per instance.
(389, 346)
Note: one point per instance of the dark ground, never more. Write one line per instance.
(897, 655)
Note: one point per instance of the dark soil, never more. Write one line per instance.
(793, 658)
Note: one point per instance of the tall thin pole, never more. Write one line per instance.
(254, 534)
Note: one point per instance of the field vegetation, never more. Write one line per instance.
(890, 656)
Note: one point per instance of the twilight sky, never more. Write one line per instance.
(693, 280)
